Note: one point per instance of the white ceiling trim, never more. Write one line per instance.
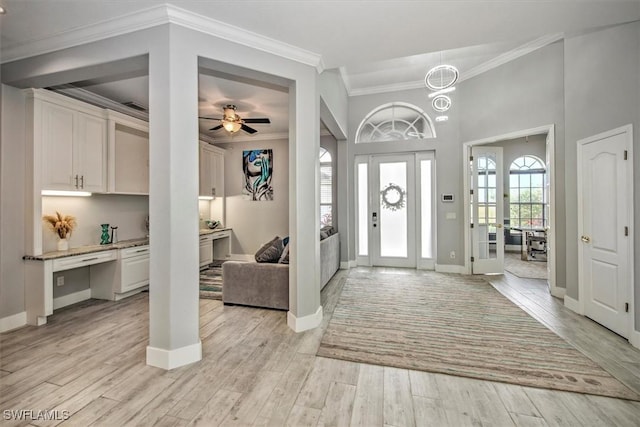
(512, 55)
(151, 17)
(101, 101)
(247, 138)
(244, 37)
(499, 60)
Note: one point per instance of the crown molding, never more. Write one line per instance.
(249, 138)
(394, 87)
(151, 17)
(499, 60)
(100, 101)
(512, 55)
(244, 37)
(345, 79)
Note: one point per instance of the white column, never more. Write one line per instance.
(305, 311)
(173, 205)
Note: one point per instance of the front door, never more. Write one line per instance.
(487, 214)
(604, 229)
(393, 219)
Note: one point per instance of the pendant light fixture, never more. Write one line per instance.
(440, 80)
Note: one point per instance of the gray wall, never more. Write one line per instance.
(602, 92)
(448, 153)
(255, 223)
(12, 210)
(522, 94)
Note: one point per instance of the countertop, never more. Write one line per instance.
(123, 244)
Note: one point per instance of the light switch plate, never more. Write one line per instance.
(451, 215)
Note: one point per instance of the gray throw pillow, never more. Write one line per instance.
(284, 258)
(271, 251)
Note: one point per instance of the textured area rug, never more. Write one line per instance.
(211, 281)
(458, 325)
(514, 264)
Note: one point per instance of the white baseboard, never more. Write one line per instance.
(448, 268)
(12, 322)
(242, 257)
(300, 324)
(71, 298)
(345, 265)
(634, 338)
(572, 304)
(170, 359)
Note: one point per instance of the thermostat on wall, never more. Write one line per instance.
(447, 197)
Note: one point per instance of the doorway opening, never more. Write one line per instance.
(488, 206)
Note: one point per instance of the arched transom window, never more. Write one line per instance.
(394, 122)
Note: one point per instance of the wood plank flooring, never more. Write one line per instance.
(88, 364)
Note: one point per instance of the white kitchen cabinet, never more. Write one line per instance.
(134, 269)
(206, 250)
(128, 154)
(73, 143)
(211, 171)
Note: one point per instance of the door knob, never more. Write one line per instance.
(585, 239)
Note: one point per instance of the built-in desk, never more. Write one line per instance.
(39, 271)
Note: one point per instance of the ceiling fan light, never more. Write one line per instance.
(231, 127)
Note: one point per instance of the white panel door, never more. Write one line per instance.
(604, 230)
(487, 210)
(393, 211)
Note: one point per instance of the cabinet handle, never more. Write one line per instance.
(76, 181)
(90, 259)
(82, 181)
(142, 250)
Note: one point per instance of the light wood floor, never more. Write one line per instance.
(89, 360)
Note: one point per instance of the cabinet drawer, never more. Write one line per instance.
(221, 234)
(135, 251)
(134, 272)
(68, 263)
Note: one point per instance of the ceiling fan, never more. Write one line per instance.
(232, 122)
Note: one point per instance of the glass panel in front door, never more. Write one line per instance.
(486, 208)
(393, 221)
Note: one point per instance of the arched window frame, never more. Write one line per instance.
(418, 127)
(326, 188)
(526, 193)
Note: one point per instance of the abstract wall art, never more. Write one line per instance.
(257, 166)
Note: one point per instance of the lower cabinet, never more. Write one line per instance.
(134, 268)
(125, 277)
(206, 250)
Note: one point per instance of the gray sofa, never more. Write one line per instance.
(267, 284)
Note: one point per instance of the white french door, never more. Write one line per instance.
(605, 247)
(487, 210)
(395, 210)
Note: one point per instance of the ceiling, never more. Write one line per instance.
(379, 45)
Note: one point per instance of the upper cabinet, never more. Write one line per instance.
(211, 170)
(72, 140)
(128, 154)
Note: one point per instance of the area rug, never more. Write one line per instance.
(457, 325)
(514, 264)
(211, 281)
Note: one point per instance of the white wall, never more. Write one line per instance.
(12, 160)
(602, 92)
(126, 212)
(256, 222)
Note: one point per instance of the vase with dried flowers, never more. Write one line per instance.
(62, 225)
